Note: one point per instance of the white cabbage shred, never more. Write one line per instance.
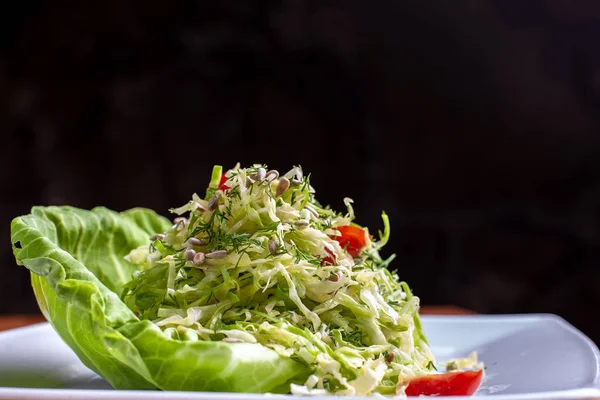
(261, 261)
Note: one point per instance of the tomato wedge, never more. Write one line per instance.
(222, 185)
(352, 238)
(462, 383)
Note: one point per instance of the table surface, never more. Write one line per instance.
(10, 321)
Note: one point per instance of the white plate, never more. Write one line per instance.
(527, 357)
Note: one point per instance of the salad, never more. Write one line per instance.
(255, 287)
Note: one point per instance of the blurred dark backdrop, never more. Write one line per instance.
(473, 123)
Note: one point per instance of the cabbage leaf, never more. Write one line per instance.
(78, 265)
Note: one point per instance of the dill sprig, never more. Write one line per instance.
(303, 255)
(235, 242)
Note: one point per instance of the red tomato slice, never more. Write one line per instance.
(222, 185)
(462, 383)
(352, 238)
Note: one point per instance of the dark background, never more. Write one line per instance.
(474, 124)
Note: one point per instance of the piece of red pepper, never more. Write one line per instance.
(352, 238)
(222, 185)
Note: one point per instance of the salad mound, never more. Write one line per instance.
(255, 287)
(260, 260)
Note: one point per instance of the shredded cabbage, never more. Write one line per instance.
(259, 261)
